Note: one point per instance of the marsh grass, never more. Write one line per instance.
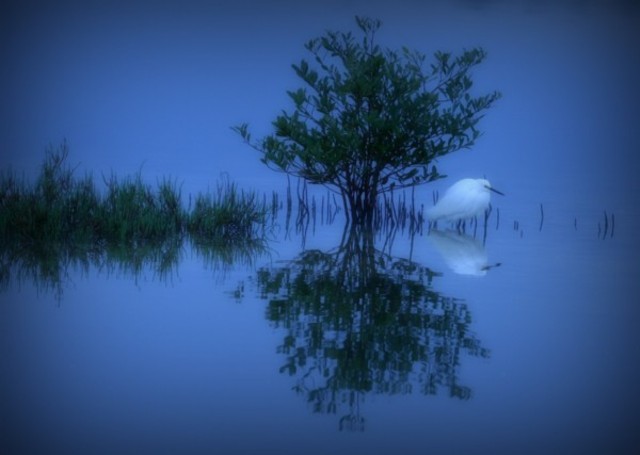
(229, 214)
(61, 208)
(60, 220)
(56, 207)
(133, 211)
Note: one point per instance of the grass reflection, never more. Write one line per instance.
(224, 255)
(360, 322)
(48, 265)
(61, 222)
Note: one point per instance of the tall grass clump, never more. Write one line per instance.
(229, 214)
(57, 207)
(60, 221)
(133, 212)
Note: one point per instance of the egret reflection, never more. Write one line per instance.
(463, 254)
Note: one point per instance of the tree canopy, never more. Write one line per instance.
(369, 120)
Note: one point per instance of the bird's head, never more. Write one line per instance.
(487, 184)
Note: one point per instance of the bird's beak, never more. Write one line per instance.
(494, 190)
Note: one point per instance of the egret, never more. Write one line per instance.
(464, 199)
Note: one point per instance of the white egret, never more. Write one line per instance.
(464, 199)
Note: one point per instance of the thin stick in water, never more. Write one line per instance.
(612, 224)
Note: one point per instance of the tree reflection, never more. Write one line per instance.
(360, 322)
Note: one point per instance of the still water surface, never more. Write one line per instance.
(520, 341)
(318, 345)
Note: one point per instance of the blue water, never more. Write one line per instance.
(196, 361)
(520, 341)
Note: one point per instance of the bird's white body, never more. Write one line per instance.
(466, 198)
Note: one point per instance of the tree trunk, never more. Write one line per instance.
(362, 205)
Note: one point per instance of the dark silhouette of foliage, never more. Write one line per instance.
(358, 321)
(371, 120)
